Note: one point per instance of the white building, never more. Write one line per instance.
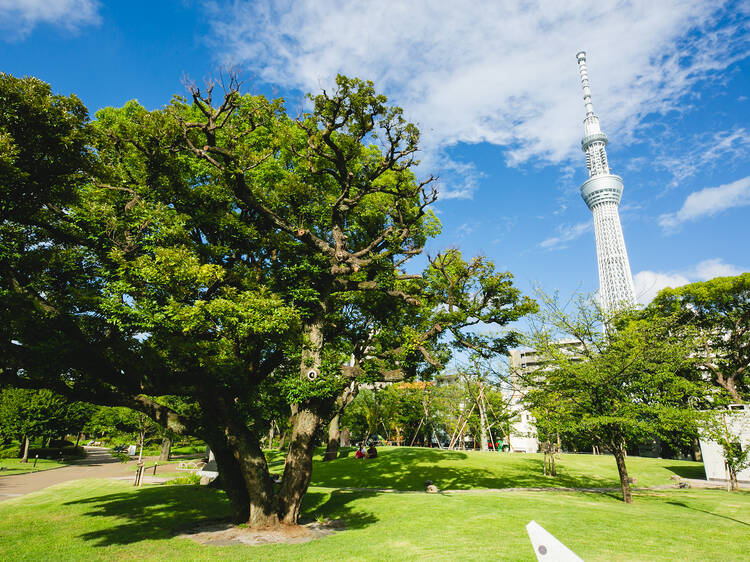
(737, 418)
(526, 364)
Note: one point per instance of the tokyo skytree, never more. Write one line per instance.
(602, 193)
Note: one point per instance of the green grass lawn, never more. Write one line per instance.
(189, 450)
(407, 468)
(113, 520)
(15, 466)
(106, 519)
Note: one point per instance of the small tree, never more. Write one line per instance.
(480, 382)
(32, 414)
(615, 385)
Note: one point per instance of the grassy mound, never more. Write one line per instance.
(407, 468)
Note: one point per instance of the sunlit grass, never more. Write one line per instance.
(98, 519)
(112, 520)
(407, 468)
(15, 466)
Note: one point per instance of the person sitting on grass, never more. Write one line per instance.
(372, 452)
(360, 454)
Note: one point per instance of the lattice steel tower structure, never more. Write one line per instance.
(602, 193)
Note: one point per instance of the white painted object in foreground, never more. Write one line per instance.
(547, 548)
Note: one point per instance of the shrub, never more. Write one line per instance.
(54, 452)
(191, 479)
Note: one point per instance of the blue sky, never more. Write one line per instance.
(496, 93)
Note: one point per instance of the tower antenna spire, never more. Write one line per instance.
(581, 57)
(602, 193)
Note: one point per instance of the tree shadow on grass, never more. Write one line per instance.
(160, 512)
(334, 505)
(151, 513)
(680, 504)
(696, 472)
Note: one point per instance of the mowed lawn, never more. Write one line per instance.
(15, 466)
(407, 468)
(100, 519)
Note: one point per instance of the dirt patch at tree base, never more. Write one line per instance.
(226, 534)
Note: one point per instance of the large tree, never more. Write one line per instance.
(208, 270)
(221, 254)
(720, 310)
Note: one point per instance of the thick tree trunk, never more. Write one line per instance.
(730, 386)
(306, 420)
(230, 480)
(263, 511)
(166, 449)
(298, 468)
(25, 455)
(619, 454)
(334, 426)
(334, 439)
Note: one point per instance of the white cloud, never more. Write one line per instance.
(704, 152)
(566, 233)
(18, 18)
(458, 180)
(469, 72)
(708, 269)
(649, 283)
(466, 229)
(709, 202)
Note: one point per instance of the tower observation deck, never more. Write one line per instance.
(602, 193)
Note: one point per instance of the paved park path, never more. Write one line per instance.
(98, 463)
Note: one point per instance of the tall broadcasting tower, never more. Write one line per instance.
(602, 193)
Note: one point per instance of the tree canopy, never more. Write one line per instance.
(616, 384)
(720, 310)
(202, 261)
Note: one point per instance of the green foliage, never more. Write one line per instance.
(33, 413)
(719, 310)
(616, 378)
(728, 428)
(190, 479)
(55, 453)
(364, 415)
(468, 294)
(195, 262)
(122, 457)
(43, 148)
